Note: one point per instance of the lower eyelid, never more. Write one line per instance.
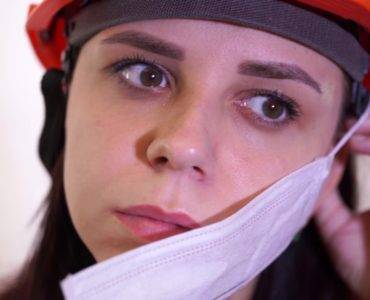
(138, 90)
(272, 124)
(249, 114)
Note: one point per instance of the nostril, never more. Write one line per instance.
(161, 160)
(199, 173)
(198, 170)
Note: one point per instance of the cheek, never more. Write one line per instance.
(322, 135)
(254, 166)
(100, 155)
(96, 150)
(98, 145)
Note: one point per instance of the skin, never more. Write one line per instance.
(346, 233)
(215, 151)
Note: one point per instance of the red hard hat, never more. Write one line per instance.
(45, 26)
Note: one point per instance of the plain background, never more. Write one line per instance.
(24, 183)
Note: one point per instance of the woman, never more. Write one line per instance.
(197, 108)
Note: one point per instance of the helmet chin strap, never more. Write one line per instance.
(69, 63)
(51, 141)
(55, 87)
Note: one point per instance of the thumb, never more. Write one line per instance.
(331, 215)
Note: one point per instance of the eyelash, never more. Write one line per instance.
(136, 58)
(293, 108)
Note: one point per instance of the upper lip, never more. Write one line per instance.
(157, 213)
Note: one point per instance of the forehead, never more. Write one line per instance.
(226, 42)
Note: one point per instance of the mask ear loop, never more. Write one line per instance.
(361, 104)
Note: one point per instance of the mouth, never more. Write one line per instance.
(153, 223)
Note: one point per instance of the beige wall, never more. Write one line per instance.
(363, 175)
(23, 181)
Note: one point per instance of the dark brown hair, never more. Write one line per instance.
(302, 271)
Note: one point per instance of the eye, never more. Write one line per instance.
(141, 74)
(271, 107)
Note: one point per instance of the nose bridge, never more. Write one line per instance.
(197, 104)
(189, 113)
(185, 137)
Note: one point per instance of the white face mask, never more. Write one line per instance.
(214, 261)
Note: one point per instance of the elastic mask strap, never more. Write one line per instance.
(349, 134)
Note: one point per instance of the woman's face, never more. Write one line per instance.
(216, 115)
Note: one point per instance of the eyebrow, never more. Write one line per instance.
(147, 42)
(273, 70)
(277, 70)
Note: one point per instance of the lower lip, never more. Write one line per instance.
(149, 229)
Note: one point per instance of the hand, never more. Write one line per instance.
(346, 234)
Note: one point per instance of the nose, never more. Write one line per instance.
(183, 143)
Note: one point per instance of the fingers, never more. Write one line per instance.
(331, 215)
(364, 129)
(360, 144)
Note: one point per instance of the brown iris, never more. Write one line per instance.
(273, 108)
(151, 76)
